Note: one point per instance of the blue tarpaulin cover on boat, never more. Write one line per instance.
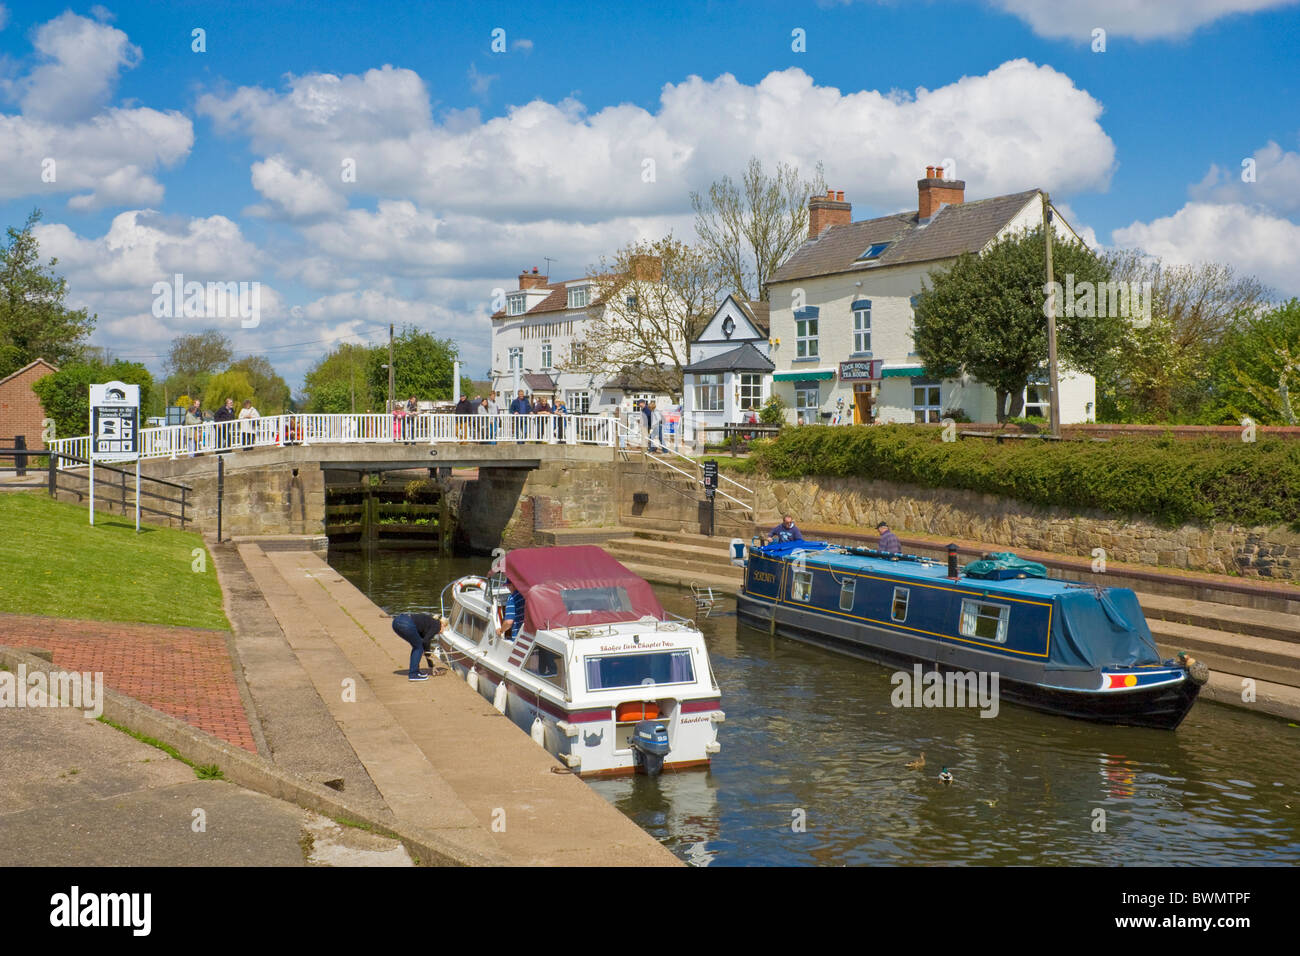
(1101, 628)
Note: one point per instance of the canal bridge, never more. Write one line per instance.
(268, 475)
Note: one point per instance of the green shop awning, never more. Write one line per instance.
(903, 371)
(812, 374)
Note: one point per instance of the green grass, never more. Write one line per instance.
(53, 563)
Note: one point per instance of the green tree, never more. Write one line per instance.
(1256, 371)
(193, 359)
(65, 394)
(340, 382)
(1161, 371)
(749, 229)
(270, 391)
(422, 364)
(34, 322)
(985, 316)
(232, 383)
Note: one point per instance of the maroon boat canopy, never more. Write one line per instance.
(570, 587)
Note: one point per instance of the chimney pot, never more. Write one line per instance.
(828, 210)
(932, 195)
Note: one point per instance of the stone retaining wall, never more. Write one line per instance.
(1222, 548)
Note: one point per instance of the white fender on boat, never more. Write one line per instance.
(538, 732)
(499, 701)
(471, 678)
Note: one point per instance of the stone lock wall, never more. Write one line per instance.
(507, 506)
(261, 501)
(1222, 548)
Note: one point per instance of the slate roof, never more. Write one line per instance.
(557, 301)
(758, 313)
(954, 229)
(744, 358)
(538, 381)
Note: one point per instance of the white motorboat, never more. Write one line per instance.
(600, 674)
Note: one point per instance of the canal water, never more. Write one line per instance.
(813, 767)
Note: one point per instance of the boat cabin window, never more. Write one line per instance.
(801, 586)
(984, 620)
(596, 599)
(633, 670)
(467, 625)
(546, 664)
(847, 587)
(898, 610)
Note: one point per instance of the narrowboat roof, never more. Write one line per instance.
(934, 569)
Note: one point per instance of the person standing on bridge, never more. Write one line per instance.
(520, 406)
(225, 414)
(248, 416)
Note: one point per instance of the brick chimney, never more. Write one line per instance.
(933, 191)
(828, 210)
(646, 268)
(531, 280)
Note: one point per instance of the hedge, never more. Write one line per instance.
(1164, 479)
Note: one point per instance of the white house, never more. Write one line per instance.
(841, 310)
(534, 338)
(730, 372)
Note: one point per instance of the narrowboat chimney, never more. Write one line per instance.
(952, 562)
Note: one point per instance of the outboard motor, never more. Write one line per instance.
(650, 746)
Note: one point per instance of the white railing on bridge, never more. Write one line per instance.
(176, 441)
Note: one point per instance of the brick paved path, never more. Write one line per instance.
(181, 671)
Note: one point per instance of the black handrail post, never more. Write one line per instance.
(54, 473)
(221, 491)
(183, 490)
(20, 461)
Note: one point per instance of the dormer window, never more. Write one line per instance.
(578, 297)
(514, 305)
(873, 251)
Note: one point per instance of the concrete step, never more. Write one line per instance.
(679, 568)
(727, 527)
(1220, 663)
(1260, 650)
(1224, 617)
(717, 542)
(685, 548)
(723, 585)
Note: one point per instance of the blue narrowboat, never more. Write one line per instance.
(1058, 646)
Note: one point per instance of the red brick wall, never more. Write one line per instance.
(20, 410)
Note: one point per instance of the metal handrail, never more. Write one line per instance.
(633, 433)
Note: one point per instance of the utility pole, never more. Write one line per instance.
(1054, 385)
(390, 367)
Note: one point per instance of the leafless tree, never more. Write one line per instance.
(648, 302)
(750, 228)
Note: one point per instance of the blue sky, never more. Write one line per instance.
(226, 165)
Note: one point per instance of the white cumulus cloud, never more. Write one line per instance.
(1250, 239)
